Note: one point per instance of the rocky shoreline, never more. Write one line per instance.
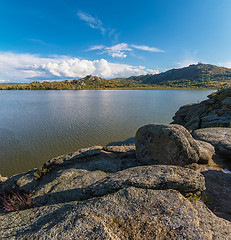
(169, 185)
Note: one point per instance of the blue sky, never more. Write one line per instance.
(66, 39)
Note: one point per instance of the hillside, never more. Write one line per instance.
(88, 82)
(193, 76)
(200, 75)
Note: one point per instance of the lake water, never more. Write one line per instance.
(38, 125)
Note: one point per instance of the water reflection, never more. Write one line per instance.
(38, 125)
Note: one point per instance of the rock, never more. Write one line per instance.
(126, 151)
(215, 118)
(11, 183)
(71, 173)
(214, 112)
(82, 153)
(2, 179)
(66, 185)
(189, 115)
(193, 123)
(227, 102)
(149, 177)
(128, 142)
(108, 196)
(131, 213)
(169, 144)
(127, 214)
(206, 151)
(220, 138)
(210, 223)
(183, 111)
(218, 184)
(120, 149)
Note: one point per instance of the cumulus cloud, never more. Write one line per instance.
(117, 50)
(28, 67)
(17, 67)
(121, 50)
(75, 68)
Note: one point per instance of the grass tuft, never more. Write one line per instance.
(17, 201)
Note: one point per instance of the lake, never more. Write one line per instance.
(38, 125)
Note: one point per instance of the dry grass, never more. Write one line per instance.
(17, 201)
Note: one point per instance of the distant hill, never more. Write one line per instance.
(88, 82)
(193, 76)
(200, 75)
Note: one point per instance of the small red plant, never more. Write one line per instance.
(17, 202)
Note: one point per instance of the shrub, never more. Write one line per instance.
(192, 197)
(17, 201)
(40, 172)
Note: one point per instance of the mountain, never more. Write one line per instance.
(193, 76)
(200, 75)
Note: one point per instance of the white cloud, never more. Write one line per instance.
(17, 67)
(28, 67)
(38, 41)
(96, 23)
(117, 50)
(75, 68)
(92, 22)
(187, 62)
(120, 50)
(225, 64)
(96, 47)
(118, 54)
(146, 48)
(3, 81)
(189, 58)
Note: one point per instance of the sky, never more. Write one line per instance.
(66, 39)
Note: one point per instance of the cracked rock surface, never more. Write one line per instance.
(106, 194)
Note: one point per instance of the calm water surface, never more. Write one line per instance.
(38, 125)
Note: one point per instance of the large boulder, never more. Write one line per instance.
(214, 112)
(206, 151)
(220, 138)
(169, 144)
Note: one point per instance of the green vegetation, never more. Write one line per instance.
(194, 197)
(194, 76)
(89, 82)
(40, 173)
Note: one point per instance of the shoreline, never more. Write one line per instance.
(137, 88)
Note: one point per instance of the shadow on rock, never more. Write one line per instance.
(218, 191)
(129, 141)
